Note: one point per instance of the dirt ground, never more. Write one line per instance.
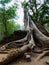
(21, 61)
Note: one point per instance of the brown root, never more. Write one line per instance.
(42, 55)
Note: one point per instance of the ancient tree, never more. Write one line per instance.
(35, 37)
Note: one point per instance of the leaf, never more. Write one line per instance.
(4, 1)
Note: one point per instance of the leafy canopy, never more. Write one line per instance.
(7, 13)
(39, 10)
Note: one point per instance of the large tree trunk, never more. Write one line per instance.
(28, 41)
(43, 39)
(42, 29)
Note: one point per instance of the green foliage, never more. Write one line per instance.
(44, 13)
(47, 26)
(24, 4)
(10, 13)
(4, 1)
(11, 27)
(7, 25)
(39, 10)
(2, 30)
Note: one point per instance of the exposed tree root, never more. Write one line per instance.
(40, 51)
(12, 45)
(42, 55)
(26, 43)
(15, 43)
(15, 53)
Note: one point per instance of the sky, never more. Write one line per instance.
(19, 13)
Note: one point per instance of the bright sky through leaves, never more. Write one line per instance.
(19, 11)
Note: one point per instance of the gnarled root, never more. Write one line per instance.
(42, 55)
(43, 39)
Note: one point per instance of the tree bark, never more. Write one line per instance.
(43, 39)
(42, 29)
(15, 53)
(42, 55)
(30, 26)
